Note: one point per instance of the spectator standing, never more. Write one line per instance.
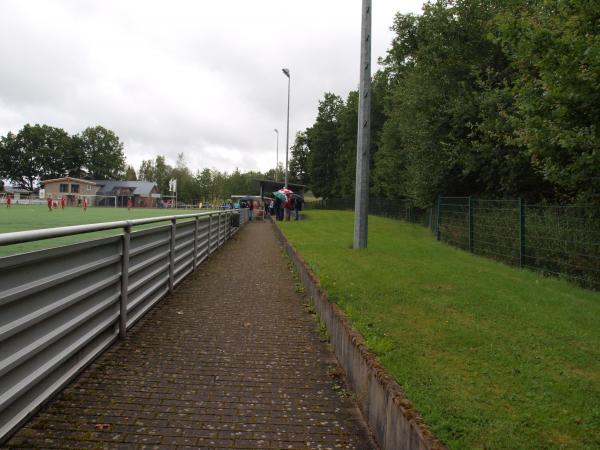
(271, 207)
(297, 203)
(250, 209)
(278, 209)
(287, 208)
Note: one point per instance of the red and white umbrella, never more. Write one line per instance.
(285, 191)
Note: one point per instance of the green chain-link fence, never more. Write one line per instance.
(560, 240)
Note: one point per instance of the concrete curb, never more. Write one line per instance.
(389, 413)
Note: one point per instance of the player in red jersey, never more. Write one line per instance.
(84, 203)
(62, 202)
(8, 201)
(49, 204)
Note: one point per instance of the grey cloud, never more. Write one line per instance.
(194, 77)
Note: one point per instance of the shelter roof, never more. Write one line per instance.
(268, 186)
(141, 188)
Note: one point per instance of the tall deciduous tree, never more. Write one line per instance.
(298, 167)
(130, 174)
(323, 143)
(554, 50)
(35, 153)
(346, 140)
(104, 158)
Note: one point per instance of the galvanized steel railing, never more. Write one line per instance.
(62, 307)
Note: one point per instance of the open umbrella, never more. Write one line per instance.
(280, 195)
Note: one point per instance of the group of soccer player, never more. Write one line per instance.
(63, 203)
(51, 204)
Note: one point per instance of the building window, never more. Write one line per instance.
(75, 188)
(89, 187)
(64, 188)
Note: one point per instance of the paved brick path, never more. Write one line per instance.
(231, 360)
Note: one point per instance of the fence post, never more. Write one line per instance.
(521, 231)
(172, 256)
(209, 232)
(195, 265)
(124, 282)
(471, 228)
(439, 218)
(219, 217)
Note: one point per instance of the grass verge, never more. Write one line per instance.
(492, 356)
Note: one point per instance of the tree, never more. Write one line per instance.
(554, 51)
(147, 171)
(437, 70)
(187, 190)
(19, 163)
(346, 152)
(298, 167)
(323, 144)
(35, 153)
(130, 174)
(162, 173)
(104, 158)
(204, 182)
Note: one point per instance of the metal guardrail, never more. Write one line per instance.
(61, 307)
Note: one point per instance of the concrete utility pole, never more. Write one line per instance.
(286, 72)
(363, 142)
(277, 165)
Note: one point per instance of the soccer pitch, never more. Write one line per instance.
(22, 217)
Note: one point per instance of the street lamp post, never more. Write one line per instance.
(277, 164)
(286, 72)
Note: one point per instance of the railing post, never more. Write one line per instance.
(172, 256)
(230, 225)
(471, 226)
(521, 231)
(209, 233)
(124, 281)
(439, 218)
(195, 264)
(227, 224)
(219, 229)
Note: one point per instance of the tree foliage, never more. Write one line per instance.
(41, 152)
(475, 97)
(37, 152)
(103, 152)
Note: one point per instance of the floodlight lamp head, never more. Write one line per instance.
(286, 72)
(276, 130)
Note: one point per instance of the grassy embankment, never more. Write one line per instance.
(492, 356)
(21, 218)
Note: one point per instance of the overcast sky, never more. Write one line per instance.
(198, 77)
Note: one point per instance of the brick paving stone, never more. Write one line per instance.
(230, 360)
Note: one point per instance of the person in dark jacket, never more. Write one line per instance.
(278, 209)
(297, 205)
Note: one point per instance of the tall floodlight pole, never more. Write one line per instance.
(277, 164)
(361, 201)
(286, 72)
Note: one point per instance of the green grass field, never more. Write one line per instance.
(20, 218)
(493, 357)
